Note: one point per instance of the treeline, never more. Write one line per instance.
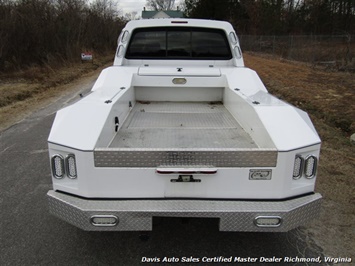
(277, 17)
(47, 31)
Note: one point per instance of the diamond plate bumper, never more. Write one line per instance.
(137, 215)
(180, 157)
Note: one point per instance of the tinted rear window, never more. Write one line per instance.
(179, 43)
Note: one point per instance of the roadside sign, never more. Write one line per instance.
(86, 57)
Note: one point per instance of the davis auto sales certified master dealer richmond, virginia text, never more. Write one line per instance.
(234, 259)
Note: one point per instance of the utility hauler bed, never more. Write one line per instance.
(176, 125)
(179, 127)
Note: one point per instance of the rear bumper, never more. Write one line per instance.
(137, 215)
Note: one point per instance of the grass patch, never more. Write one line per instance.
(326, 95)
(23, 84)
(25, 91)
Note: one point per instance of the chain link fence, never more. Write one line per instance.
(333, 51)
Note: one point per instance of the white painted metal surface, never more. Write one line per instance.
(180, 71)
(174, 110)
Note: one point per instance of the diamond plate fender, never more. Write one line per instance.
(137, 215)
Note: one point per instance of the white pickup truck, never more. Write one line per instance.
(179, 127)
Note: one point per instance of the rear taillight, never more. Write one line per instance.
(310, 166)
(61, 167)
(58, 168)
(71, 166)
(298, 167)
(305, 166)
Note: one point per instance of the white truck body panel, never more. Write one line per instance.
(269, 115)
(181, 131)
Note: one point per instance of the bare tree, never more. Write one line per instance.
(105, 8)
(158, 5)
(43, 31)
(131, 16)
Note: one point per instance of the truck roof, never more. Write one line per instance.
(176, 22)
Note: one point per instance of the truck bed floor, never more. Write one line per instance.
(181, 125)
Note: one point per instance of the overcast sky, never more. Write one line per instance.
(128, 6)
